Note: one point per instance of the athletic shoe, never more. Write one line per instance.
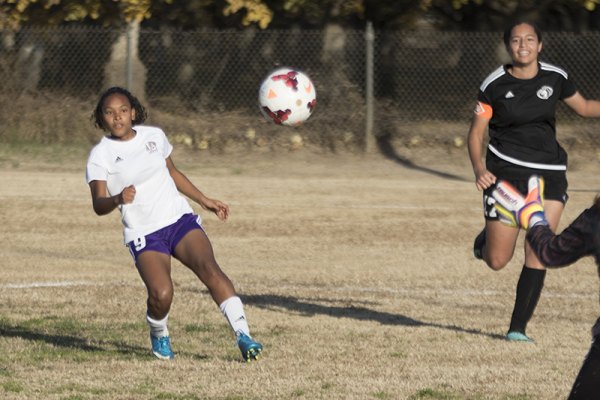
(249, 347)
(515, 336)
(161, 347)
(478, 245)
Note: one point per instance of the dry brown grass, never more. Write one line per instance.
(356, 272)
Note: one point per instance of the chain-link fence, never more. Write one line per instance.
(202, 85)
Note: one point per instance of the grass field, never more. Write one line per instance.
(356, 271)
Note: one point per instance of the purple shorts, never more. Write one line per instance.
(164, 240)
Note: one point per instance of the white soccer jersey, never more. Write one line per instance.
(141, 162)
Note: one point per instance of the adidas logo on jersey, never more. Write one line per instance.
(118, 159)
(509, 95)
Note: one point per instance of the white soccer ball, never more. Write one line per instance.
(287, 97)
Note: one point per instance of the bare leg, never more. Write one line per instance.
(196, 253)
(155, 270)
(500, 244)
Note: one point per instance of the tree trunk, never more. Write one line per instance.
(28, 66)
(339, 85)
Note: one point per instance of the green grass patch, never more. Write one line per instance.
(175, 396)
(193, 328)
(382, 395)
(52, 337)
(432, 394)
(298, 393)
(12, 387)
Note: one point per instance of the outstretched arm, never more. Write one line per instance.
(185, 186)
(582, 106)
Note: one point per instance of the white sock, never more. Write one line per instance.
(158, 328)
(233, 310)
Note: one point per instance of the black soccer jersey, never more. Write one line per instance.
(523, 127)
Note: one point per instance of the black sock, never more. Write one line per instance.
(529, 289)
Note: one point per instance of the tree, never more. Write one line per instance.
(489, 15)
(124, 13)
(16, 13)
(256, 12)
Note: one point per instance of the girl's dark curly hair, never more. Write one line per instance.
(140, 111)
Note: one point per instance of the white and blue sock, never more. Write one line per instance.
(158, 328)
(233, 310)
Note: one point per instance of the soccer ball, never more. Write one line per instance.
(287, 97)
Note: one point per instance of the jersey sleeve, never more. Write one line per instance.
(483, 107)
(167, 147)
(574, 242)
(484, 97)
(568, 89)
(96, 169)
(483, 110)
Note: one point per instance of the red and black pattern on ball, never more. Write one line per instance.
(289, 79)
(311, 105)
(279, 116)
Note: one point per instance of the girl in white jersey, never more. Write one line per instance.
(131, 169)
(517, 106)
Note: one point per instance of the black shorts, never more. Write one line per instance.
(555, 188)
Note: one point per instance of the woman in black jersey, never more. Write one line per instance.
(517, 106)
(580, 239)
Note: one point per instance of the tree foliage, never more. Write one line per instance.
(14, 13)
(482, 15)
(256, 12)
(477, 15)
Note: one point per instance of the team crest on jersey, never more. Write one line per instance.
(151, 147)
(545, 92)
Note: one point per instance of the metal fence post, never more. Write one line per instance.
(129, 62)
(369, 138)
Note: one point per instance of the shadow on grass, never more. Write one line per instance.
(68, 341)
(358, 313)
(71, 342)
(387, 150)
